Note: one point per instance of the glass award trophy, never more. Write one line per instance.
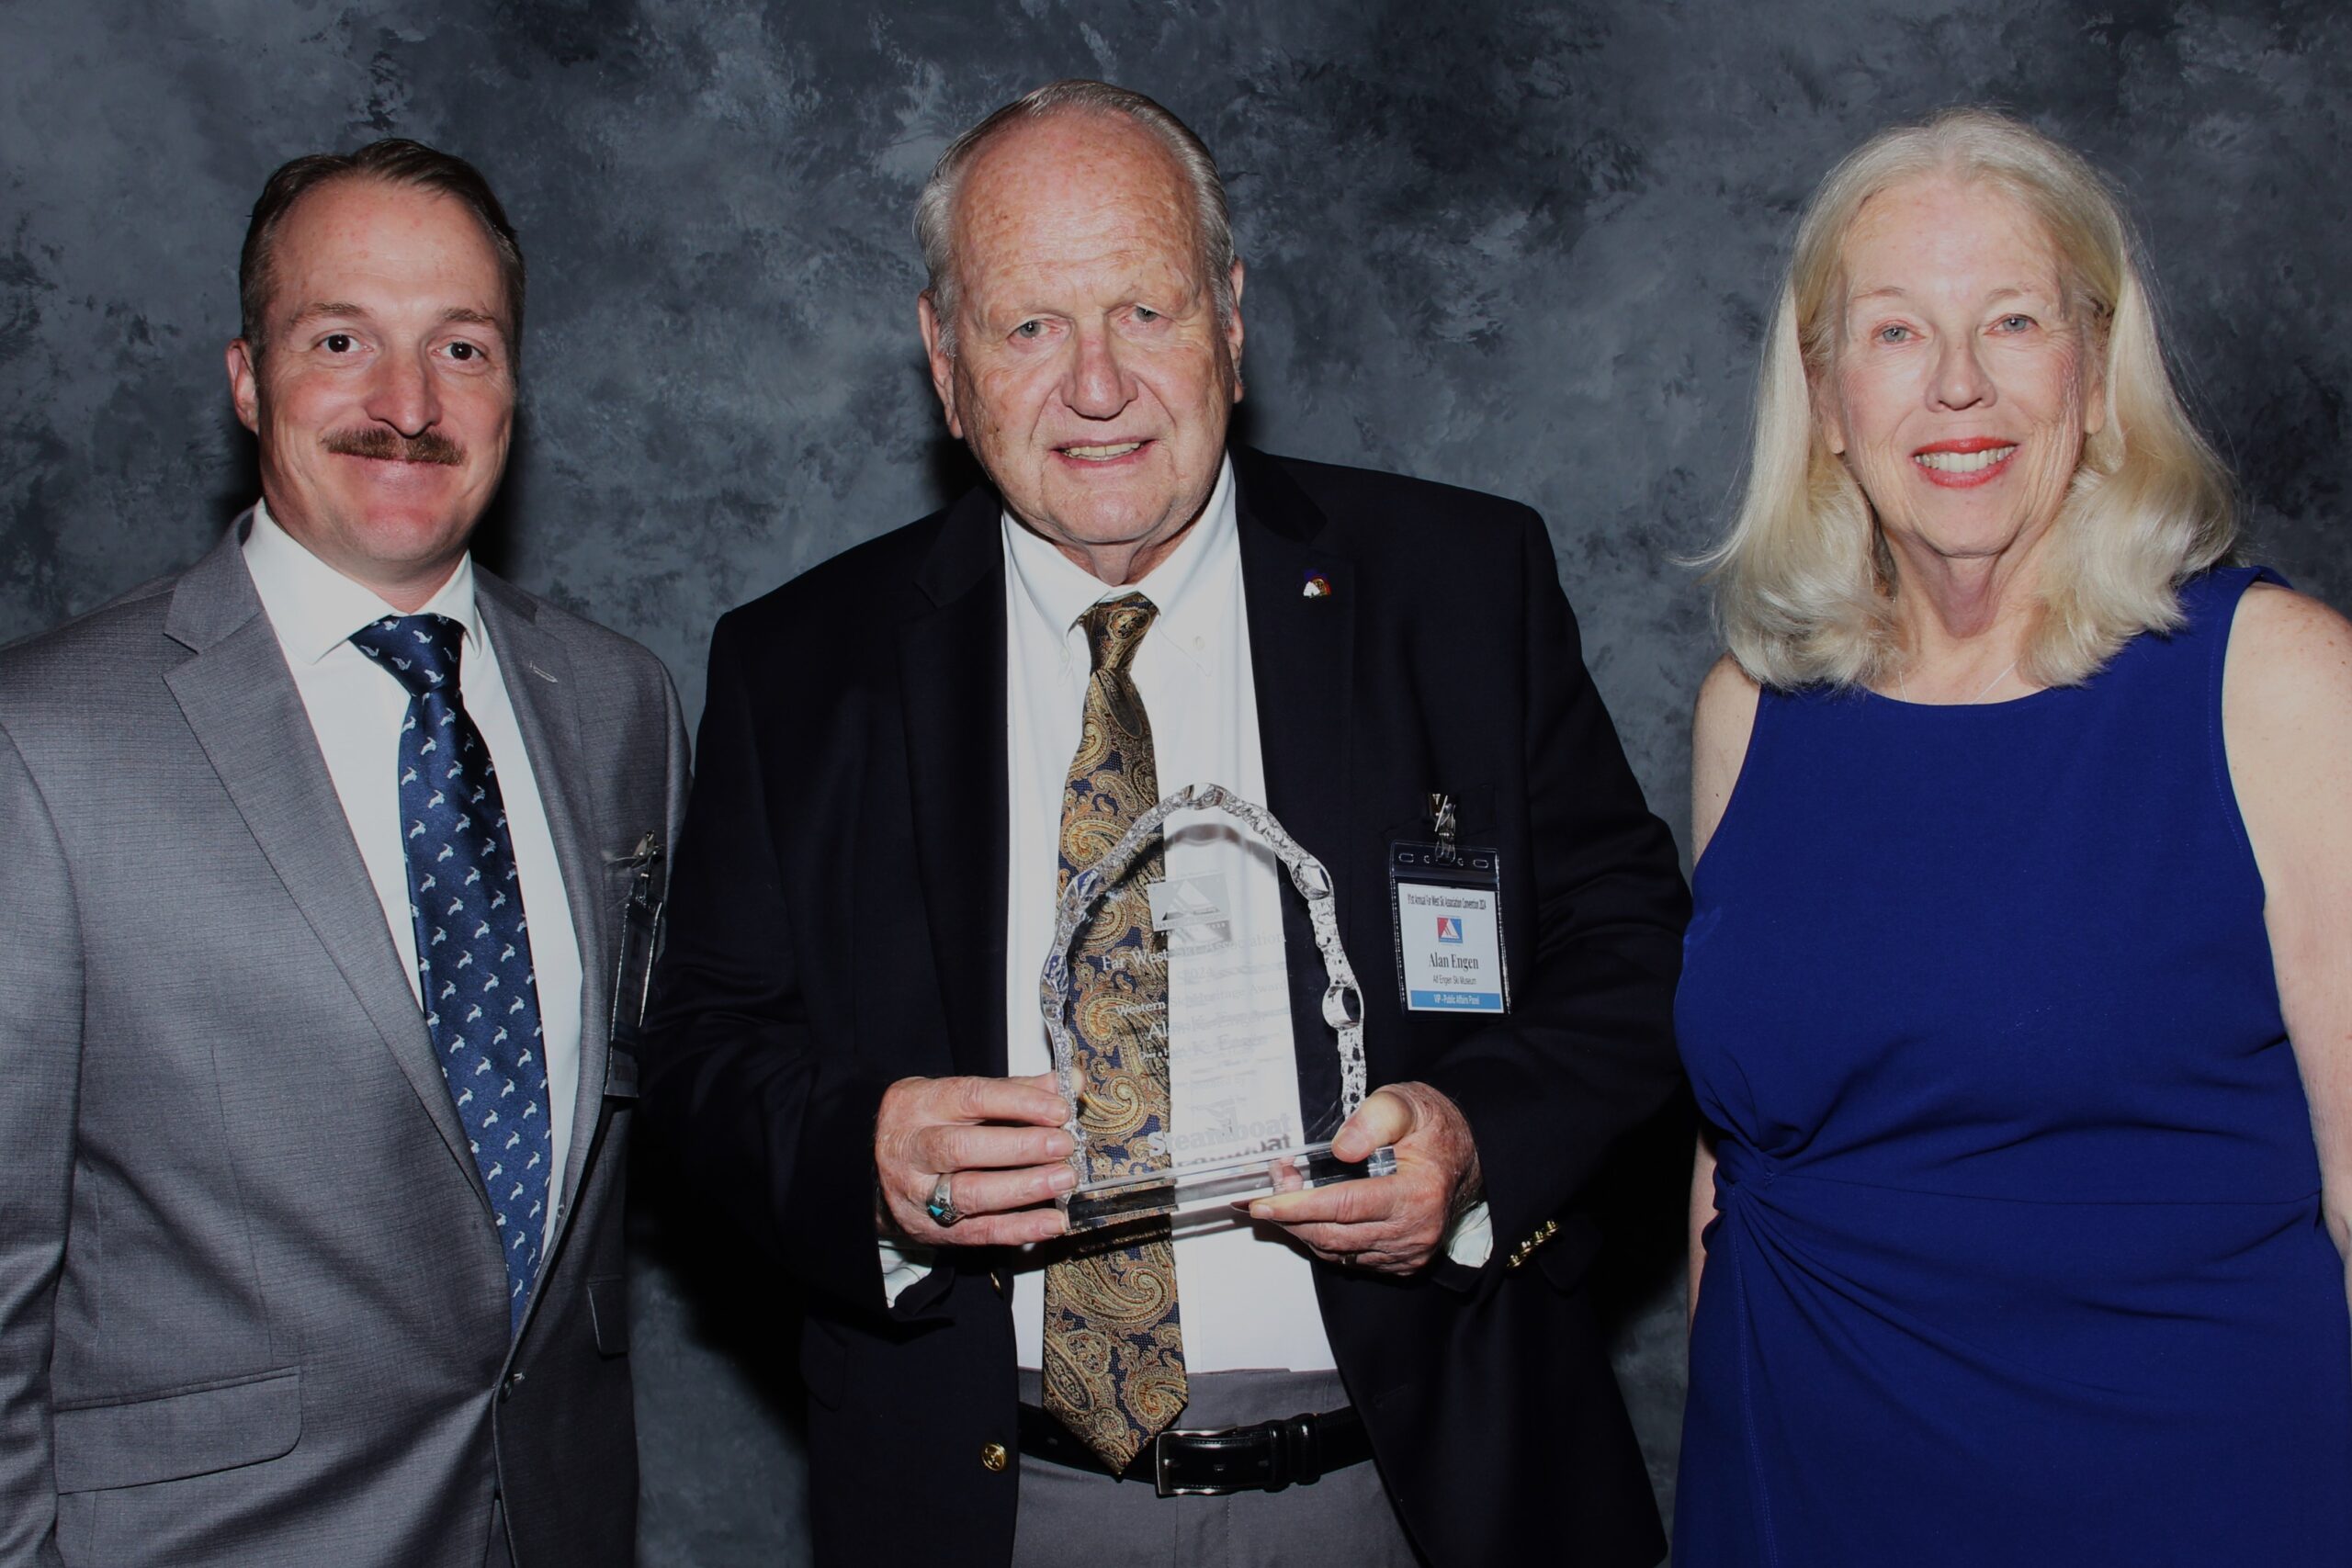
(1250, 1109)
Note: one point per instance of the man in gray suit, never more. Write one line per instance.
(328, 865)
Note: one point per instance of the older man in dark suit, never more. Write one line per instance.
(312, 1125)
(908, 750)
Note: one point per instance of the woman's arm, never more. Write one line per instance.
(1720, 726)
(2287, 723)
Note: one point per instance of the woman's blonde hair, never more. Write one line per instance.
(1804, 583)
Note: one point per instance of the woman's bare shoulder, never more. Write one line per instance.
(1721, 723)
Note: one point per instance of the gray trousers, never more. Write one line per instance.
(1075, 1518)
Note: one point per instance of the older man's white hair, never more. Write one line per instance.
(934, 209)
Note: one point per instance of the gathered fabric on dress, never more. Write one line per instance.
(2019, 1255)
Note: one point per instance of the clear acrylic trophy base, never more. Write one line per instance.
(1098, 1204)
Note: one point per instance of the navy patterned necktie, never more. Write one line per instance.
(473, 945)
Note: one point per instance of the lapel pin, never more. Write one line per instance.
(1317, 586)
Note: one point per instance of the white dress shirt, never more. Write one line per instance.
(356, 710)
(1245, 1292)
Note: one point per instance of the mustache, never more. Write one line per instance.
(390, 445)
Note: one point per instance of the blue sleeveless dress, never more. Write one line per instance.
(2018, 1257)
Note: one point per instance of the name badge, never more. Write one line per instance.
(1449, 928)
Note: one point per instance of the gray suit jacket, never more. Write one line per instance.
(252, 1302)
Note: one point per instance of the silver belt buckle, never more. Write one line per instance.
(1159, 1464)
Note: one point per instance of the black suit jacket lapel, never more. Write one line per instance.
(1301, 658)
(951, 665)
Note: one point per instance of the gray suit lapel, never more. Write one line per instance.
(239, 698)
(546, 698)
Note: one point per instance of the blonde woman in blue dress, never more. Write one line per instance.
(2018, 994)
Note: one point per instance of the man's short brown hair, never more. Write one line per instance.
(395, 161)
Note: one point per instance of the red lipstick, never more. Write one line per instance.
(1964, 446)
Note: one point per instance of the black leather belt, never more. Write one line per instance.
(1297, 1450)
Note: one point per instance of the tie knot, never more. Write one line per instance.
(1114, 629)
(421, 651)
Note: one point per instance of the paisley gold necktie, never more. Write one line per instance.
(1114, 1350)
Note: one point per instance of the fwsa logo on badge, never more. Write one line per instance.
(1449, 928)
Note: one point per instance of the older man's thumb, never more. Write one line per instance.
(1385, 1118)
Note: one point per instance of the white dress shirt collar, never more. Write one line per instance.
(315, 608)
(357, 712)
(1185, 587)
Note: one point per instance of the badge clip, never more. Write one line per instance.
(1441, 819)
(640, 921)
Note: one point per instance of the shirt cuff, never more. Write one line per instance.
(904, 1266)
(1470, 1242)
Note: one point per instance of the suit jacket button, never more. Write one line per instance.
(993, 1459)
(513, 1381)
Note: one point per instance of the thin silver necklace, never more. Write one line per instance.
(1903, 687)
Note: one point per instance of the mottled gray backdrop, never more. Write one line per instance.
(1524, 248)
